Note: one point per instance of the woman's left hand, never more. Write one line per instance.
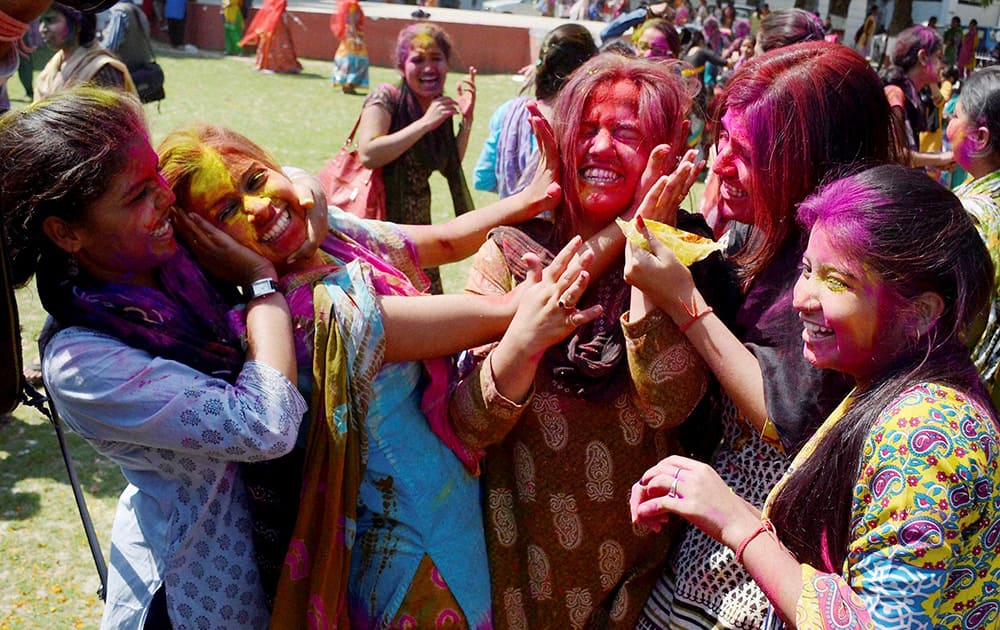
(312, 199)
(467, 96)
(692, 489)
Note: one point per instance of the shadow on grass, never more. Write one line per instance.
(32, 452)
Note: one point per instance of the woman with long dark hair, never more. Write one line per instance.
(406, 129)
(889, 515)
(824, 106)
(917, 63)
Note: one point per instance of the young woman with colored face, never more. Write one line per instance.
(388, 530)
(144, 364)
(974, 133)
(406, 129)
(917, 62)
(890, 514)
(563, 428)
(824, 106)
(79, 58)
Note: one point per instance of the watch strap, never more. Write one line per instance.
(262, 287)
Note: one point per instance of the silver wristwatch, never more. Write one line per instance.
(262, 287)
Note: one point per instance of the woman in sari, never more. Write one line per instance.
(350, 62)
(388, 531)
(268, 30)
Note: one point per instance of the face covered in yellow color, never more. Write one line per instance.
(250, 201)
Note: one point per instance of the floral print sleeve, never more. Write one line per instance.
(926, 523)
(118, 396)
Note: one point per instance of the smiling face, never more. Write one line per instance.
(931, 70)
(850, 316)
(425, 68)
(611, 153)
(732, 165)
(250, 201)
(125, 233)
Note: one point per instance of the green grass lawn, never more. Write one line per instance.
(47, 576)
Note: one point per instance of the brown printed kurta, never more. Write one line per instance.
(559, 469)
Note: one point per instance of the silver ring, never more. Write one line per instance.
(673, 486)
(564, 306)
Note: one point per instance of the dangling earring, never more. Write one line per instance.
(72, 266)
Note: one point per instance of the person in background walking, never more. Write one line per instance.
(232, 25)
(350, 63)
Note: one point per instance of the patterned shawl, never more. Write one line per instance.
(348, 345)
(187, 321)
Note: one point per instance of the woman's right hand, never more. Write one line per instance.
(543, 193)
(441, 109)
(659, 274)
(547, 300)
(219, 253)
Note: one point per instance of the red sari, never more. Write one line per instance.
(269, 31)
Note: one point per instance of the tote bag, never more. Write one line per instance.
(350, 185)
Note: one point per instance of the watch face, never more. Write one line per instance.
(89, 6)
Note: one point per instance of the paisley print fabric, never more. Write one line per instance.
(559, 468)
(926, 521)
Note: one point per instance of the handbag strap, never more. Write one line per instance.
(354, 130)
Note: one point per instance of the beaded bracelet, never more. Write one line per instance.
(765, 526)
(11, 29)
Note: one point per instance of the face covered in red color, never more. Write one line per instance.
(611, 153)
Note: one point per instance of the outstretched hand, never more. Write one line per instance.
(312, 199)
(220, 253)
(467, 95)
(547, 309)
(543, 192)
(663, 186)
(657, 272)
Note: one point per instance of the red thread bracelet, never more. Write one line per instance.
(694, 318)
(765, 526)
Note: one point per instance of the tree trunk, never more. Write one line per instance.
(840, 7)
(902, 17)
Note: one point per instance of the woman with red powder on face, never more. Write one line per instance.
(564, 428)
(771, 399)
(890, 514)
(381, 523)
(406, 129)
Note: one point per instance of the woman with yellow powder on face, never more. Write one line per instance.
(389, 530)
(406, 129)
